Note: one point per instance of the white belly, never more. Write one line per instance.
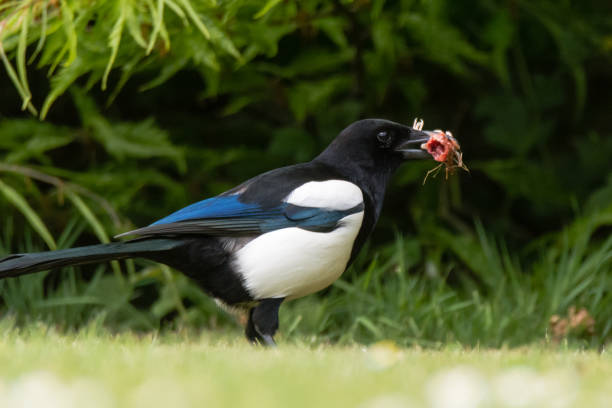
(293, 262)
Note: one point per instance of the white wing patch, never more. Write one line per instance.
(332, 194)
(294, 262)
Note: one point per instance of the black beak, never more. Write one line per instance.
(411, 148)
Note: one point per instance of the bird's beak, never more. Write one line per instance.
(411, 148)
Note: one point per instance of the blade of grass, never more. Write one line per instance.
(177, 297)
(21, 204)
(97, 227)
(70, 301)
(370, 326)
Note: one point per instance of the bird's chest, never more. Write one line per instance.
(294, 262)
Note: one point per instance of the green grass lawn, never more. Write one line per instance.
(92, 368)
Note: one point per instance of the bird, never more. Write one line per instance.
(278, 236)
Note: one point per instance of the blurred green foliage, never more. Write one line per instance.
(151, 105)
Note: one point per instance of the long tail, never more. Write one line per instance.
(21, 264)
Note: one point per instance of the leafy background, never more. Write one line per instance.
(115, 113)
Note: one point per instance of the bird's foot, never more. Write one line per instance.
(267, 340)
(263, 322)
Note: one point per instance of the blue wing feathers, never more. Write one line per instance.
(216, 207)
(228, 216)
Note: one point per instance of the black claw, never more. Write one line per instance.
(267, 340)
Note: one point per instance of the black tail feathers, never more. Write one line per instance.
(21, 264)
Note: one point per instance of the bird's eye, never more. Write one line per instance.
(384, 138)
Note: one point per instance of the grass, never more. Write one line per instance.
(479, 295)
(212, 369)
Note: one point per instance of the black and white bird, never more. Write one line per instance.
(279, 236)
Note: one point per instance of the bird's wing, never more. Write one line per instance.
(226, 215)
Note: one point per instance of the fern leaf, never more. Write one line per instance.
(115, 40)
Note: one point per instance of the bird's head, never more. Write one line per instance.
(375, 145)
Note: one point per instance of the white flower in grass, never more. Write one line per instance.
(458, 387)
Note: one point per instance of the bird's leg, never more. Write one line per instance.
(263, 322)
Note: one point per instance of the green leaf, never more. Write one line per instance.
(36, 146)
(223, 41)
(178, 11)
(126, 72)
(21, 58)
(89, 216)
(158, 22)
(61, 82)
(43, 31)
(133, 25)
(126, 139)
(15, 79)
(115, 39)
(167, 72)
(195, 18)
(311, 96)
(22, 205)
(270, 4)
(95, 224)
(334, 28)
(70, 29)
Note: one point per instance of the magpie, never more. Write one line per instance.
(281, 235)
